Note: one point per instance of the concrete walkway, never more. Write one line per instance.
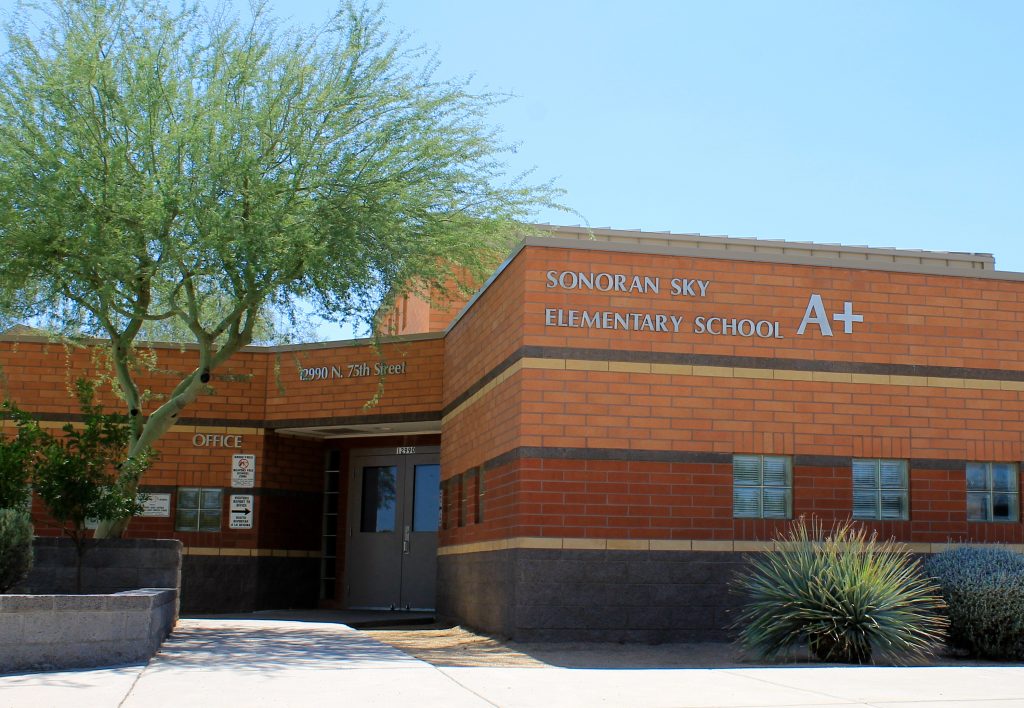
(209, 662)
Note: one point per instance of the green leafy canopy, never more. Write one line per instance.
(18, 453)
(164, 164)
(182, 170)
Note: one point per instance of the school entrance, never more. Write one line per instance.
(394, 508)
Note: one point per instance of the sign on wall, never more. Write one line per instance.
(243, 470)
(241, 511)
(156, 505)
(211, 440)
(355, 370)
(818, 316)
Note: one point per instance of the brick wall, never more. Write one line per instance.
(604, 433)
(586, 438)
(351, 382)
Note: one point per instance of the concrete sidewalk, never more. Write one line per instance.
(209, 662)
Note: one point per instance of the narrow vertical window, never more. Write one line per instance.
(480, 492)
(762, 487)
(462, 498)
(446, 504)
(379, 499)
(426, 507)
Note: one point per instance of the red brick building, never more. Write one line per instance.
(612, 421)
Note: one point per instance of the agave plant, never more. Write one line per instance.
(844, 594)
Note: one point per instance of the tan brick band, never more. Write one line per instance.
(630, 544)
(730, 372)
(248, 552)
(181, 429)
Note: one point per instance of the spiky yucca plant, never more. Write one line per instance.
(845, 594)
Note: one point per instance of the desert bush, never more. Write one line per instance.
(984, 593)
(849, 597)
(15, 547)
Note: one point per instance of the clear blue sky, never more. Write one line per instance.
(886, 123)
(877, 122)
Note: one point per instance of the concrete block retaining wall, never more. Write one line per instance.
(45, 632)
(110, 565)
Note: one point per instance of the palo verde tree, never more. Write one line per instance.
(189, 171)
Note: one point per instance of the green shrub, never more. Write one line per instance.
(844, 594)
(17, 453)
(984, 593)
(85, 474)
(15, 547)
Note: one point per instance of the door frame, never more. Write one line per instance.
(353, 511)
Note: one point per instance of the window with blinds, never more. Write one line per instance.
(992, 491)
(880, 490)
(762, 487)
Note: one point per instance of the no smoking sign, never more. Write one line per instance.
(243, 470)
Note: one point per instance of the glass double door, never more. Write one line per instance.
(393, 516)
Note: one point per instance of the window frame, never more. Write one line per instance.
(879, 489)
(481, 492)
(762, 487)
(198, 509)
(990, 492)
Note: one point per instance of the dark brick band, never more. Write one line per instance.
(255, 491)
(615, 454)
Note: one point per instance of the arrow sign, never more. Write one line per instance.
(241, 507)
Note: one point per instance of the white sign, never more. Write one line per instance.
(243, 470)
(241, 511)
(156, 505)
(405, 451)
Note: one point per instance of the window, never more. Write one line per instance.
(426, 505)
(198, 509)
(992, 491)
(880, 489)
(462, 487)
(378, 503)
(480, 491)
(762, 487)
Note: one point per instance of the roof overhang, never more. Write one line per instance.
(363, 430)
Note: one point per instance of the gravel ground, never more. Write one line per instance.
(455, 646)
(449, 646)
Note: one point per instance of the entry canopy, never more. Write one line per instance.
(364, 430)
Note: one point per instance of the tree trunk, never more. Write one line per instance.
(111, 528)
(162, 420)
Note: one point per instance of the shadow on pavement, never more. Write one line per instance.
(261, 645)
(451, 646)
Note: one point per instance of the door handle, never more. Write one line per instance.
(405, 540)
